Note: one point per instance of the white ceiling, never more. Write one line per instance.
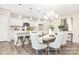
(39, 10)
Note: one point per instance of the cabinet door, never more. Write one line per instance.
(16, 22)
(40, 27)
(19, 22)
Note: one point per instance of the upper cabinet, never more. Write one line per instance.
(16, 22)
(34, 23)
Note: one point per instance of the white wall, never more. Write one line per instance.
(75, 25)
(4, 25)
(46, 25)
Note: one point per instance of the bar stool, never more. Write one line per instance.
(20, 40)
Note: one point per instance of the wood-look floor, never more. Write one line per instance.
(8, 48)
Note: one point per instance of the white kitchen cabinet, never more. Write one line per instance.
(16, 22)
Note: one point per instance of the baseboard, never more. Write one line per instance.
(5, 40)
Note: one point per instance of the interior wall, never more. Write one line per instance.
(4, 25)
(45, 26)
(75, 25)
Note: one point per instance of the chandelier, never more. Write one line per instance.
(50, 15)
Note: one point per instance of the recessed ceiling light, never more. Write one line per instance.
(30, 8)
(19, 4)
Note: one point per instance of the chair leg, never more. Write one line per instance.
(36, 52)
(56, 51)
(17, 42)
(22, 43)
(48, 51)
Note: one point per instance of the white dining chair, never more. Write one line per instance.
(65, 37)
(36, 42)
(57, 43)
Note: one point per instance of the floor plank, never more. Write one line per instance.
(8, 48)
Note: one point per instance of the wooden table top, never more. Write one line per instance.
(48, 37)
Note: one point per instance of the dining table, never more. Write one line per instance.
(47, 39)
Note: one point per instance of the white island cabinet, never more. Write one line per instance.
(20, 33)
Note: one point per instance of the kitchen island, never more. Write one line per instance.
(20, 36)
